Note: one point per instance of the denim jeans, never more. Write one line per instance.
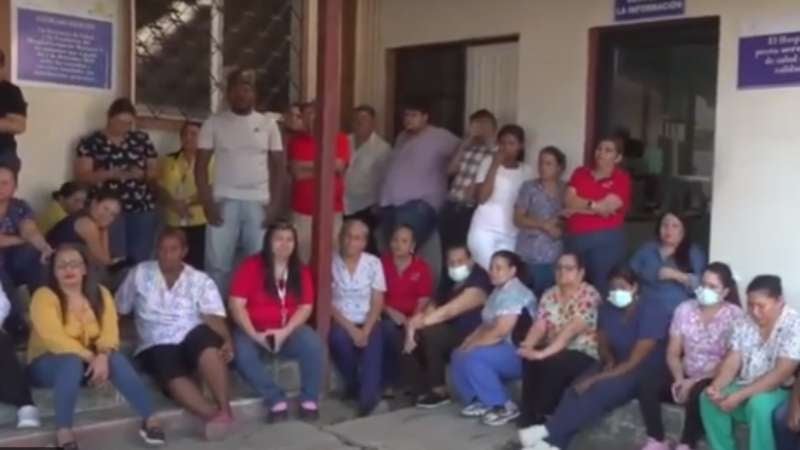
(481, 373)
(393, 340)
(133, 236)
(539, 277)
(64, 374)
(302, 345)
(242, 228)
(785, 439)
(601, 252)
(360, 367)
(417, 214)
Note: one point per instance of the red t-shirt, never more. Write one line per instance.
(264, 308)
(303, 148)
(403, 290)
(588, 187)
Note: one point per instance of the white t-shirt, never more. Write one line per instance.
(497, 213)
(240, 144)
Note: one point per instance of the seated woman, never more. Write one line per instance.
(356, 338)
(561, 344)
(632, 334)
(92, 229)
(74, 342)
(14, 387)
(698, 341)
(669, 268)
(434, 333)
(409, 287)
(764, 355)
(271, 299)
(487, 357)
(69, 199)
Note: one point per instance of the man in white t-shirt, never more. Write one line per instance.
(248, 167)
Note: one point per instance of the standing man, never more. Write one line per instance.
(416, 180)
(366, 171)
(456, 214)
(13, 120)
(303, 155)
(247, 174)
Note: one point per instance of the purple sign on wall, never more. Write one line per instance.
(771, 60)
(63, 50)
(647, 9)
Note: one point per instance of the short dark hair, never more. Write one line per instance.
(555, 152)
(122, 105)
(405, 226)
(483, 114)
(623, 272)
(189, 123)
(619, 143)
(68, 189)
(241, 76)
(172, 232)
(460, 246)
(578, 259)
(365, 109)
(102, 195)
(768, 284)
(420, 104)
(518, 133)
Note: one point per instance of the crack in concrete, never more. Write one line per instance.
(348, 442)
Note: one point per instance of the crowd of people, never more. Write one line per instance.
(534, 285)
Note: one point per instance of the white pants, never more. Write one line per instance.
(304, 224)
(484, 243)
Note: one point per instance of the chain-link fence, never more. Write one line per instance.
(185, 48)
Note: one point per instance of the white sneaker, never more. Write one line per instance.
(542, 445)
(475, 409)
(533, 435)
(28, 417)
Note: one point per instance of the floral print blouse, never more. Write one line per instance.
(558, 311)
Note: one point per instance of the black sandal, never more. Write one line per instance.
(153, 436)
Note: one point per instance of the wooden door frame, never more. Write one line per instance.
(391, 69)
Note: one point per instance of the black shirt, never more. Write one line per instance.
(11, 102)
(478, 278)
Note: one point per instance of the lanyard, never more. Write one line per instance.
(281, 282)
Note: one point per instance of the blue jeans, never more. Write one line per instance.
(303, 345)
(360, 367)
(64, 374)
(393, 340)
(785, 439)
(417, 214)
(540, 277)
(133, 236)
(242, 228)
(601, 251)
(480, 373)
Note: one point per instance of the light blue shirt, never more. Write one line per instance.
(647, 262)
(509, 300)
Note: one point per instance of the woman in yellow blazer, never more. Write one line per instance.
(74, 342)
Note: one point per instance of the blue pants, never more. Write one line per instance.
(360, 367)
(480, 373)
(393, 339)
(540, 277)
(303, 345)
(601, 251)
(785, 439)
(417, 214)
(64, 374)
(242, 228)
(576, 411)
(133, 236)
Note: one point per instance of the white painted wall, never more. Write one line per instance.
(755, 211)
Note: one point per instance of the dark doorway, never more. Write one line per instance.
(656, 85)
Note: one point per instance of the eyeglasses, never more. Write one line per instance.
(565, 268)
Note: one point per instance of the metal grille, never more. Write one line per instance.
(184, 49)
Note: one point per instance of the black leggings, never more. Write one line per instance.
(656, 388)
(14, 387)
(543, 383)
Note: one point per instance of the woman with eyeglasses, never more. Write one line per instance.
(698, 342)
(75, 342)
(561, 344)
(632, 334)
(271, 300)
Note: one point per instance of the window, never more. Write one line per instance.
(184, 49)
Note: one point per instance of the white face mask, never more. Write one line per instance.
(706, 296)
(620, 298)
(458, 273)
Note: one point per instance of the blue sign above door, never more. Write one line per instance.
(625, 10)
(769, 61)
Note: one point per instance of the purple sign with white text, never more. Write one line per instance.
(770, 60)
(647, 9)
(63, 49)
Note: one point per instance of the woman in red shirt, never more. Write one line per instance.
(409, 286)
(271, 299)
(597, 199)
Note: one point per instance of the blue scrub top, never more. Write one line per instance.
(647, 263)
(649, 321)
